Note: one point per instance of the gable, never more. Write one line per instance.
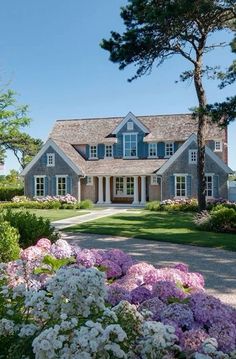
(131, 119)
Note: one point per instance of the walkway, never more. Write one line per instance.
(217, 266)
(94, 214)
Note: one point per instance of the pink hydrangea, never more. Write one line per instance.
(61, 249)
(32, 253)
(191, 341)
(44, 243)
(86, 258)
(166, 290)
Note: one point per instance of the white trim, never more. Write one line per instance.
(181, 149)
(57, 149)
(61, 176)
(52, 155)
(130, 116)
(130, 134)
(212, 184)
(130, 126)
(173, 148)
(185, 175)
(124, 194)
(153, 183)
(221, 146)
(35, 185)
(152, 156)
(95, 157)
(105, 145)
(190, 160)
(89, 183)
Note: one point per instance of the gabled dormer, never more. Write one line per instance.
(130, 123)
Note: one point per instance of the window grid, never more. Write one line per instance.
(152, 149)
(193, 156)
(180, 186)
(169, 149)
(130, 126)
(50, 159)
(130, 145)
(130, 186)
(108, 151)
(209, 186)
(218, 146)
(93, 151)
(89, 180)
(40, 186)
(154, 180)
(61, 186)
(119, 189)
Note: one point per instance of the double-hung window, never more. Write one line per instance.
(39, 186)
(124, 186)
(93, 151)
(209, 185)
(108, 151)
(61, 185)
(152, 150)
(169, 149)
(130, 145)
(180, 186)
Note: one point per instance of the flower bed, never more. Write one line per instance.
(61, 301)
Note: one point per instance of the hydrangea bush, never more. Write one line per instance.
(61, 301)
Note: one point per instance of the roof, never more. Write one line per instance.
(162, 128)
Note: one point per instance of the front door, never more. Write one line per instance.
(123, 189)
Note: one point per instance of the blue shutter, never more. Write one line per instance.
(189, 186)
(46, 186)
(161, 149)
(53, 184)
(43, 159)
(101, 150)
(175, 146)
(118, 147)
(171, 186)
(87, 151)
(216, 186)
(69, 184)
(33, 186)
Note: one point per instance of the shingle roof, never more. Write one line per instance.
(162, 128)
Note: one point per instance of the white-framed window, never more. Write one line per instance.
(169, 149)
(130, 126)
(192, 156)
(209, 185)
(154, 181)
(108, 151)
(93, 151)
(61, 189)
(130, 145)
(181, 186)
(39, 186)
(218, 146)
(89, 181)
(123, 186)
(50, 159)
(152, 150)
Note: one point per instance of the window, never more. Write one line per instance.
(152, 150)
(93, 151)
(154, 181)
(130, 126)
(108, 151)
(218, 146)
(124, 186)
(39, 186)
(192, 156)
(169, 149)
(209, 185)
(180, 186)
(130, 145)
(89, 181)
(50, 159)
(61, 185)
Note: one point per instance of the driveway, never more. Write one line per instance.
(217, 266)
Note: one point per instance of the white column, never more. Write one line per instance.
(79, 190)
(100, 190)
(108, 190)
(135, 201)
(143, 190)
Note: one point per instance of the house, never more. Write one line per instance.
(128, 160)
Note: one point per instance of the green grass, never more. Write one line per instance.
(55, 214)
(159, 226)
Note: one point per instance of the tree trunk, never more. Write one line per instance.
(201, 134)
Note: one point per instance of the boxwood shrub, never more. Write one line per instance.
(9, 242)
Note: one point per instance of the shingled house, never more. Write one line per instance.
(128, 160)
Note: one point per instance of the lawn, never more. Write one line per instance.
(55, 214)
(159, 226)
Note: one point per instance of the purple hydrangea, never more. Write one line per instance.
(61, 249)
(191, 340)
(117, 256)
(225, 334)
(139, 295)
(180, 314)
(154, 305)
(86, 258)
(115, 294)
(113, 270)
(181, 266)
(130, 281)
(166, 290)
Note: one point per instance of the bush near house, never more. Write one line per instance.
(183, 205)
(219, 219)
(9, 242)
(8, 192)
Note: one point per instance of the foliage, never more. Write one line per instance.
(73, 312)
(12, 179)
(157, 30)
(183, 205)
(13, 119)
(220, 219)
(30, 227)
(7, 193)
(9, 242)
(86, 204)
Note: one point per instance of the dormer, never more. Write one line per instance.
(130, 123)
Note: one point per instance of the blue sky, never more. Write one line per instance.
(50, 55)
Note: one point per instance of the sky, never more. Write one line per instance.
(50, 55)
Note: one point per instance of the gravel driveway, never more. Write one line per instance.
(217, 266)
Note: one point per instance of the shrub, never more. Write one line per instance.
(182, 205)
(153, 206)
(86, 204)
(30, 227)
(7, 193)
(220, 219)
(9, 242)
